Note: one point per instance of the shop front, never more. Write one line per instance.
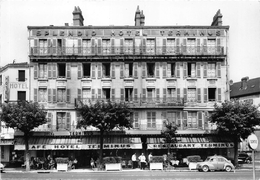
(7, 146)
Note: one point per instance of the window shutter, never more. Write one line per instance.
(68, 96)
(178, 117)
(49, 96)
(200, 120)
(79, 70)
(198, 46)
(49, 120)
(122, 94)
(157, 65)
(184, 44)
(185, 74)
(218, 46)
(54, 46)
(205, 95)
(54, 71)
(164, 69)
(135, 70)
(36, 47)
(135, 95)
(121, 46)
(99, 46)
(198, 69)
(35, 95)
(177, 45)
(99, 70)
(79, 46)
(185, 117)
(112, 46)
(49, 70)
(219, 94)
(164, 46)
(169, 70)
(113, 94)
(185, 94)
(206, 121)
(205, 70)
(178, 69)
(54, 95)
(205, 49)
(219, 69)
(93, 66)
(93, 94)
(144, 94)
(99, 93)
(199, 95)
(63, 42)
(113, 70)
(68, 71)
(80, 94)
(35, 71)
(68, 121)
(144, 69)
(93, 48)
(158, 95)
(154, 119)
(49, 46)
(144, 45)
(178, 94)
(121, 70)
(164, 95)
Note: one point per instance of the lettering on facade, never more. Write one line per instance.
(15, 85)
(38, 33)
(178, 33)
(170, 33)
(62, 33)
(93, 33)
(129, 33)
(162, 33)
(46, 33)
(121, 33)
(79, 33)
(186, 33)
(54, 33)
(70, 33)
(137, 33)
(112, 33)
(191, 145)
(7, 88)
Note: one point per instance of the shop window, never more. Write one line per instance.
(128, 94)
(106, 93)
(106, 70)
(150, 69)
(21, 95)
(192, 120)
(42, 95)
(151, 119)
(191, 69)
(21, 75)
(42, 70)
(212, 94)
(61, 70)
(86, 70)
(128, 69)
(61, 95)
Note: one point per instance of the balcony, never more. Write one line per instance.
(148, 51)
(139, 102)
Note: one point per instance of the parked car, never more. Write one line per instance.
(215, 162)
(244, 158)
(2, 167)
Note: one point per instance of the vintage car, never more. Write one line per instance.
(216, 163)
(244, 158)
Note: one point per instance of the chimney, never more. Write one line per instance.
(142, 17)
(77, 17)
(217, 19)
(244, 81)
(137, 17)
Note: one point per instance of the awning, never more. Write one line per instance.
(191, 143)
(72, 143)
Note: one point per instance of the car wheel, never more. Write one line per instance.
(248, 161)
(228, 168)
(205, 168)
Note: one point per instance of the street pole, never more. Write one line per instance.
(253, 160)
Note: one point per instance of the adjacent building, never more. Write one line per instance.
(163, 72)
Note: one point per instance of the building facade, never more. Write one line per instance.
(163, 72)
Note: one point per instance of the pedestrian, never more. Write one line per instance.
(142, 160)
(92, 163)
(150, 158)
(134, 160)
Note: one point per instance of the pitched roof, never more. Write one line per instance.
(252, 87)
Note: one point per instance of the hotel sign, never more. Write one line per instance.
(191, 145)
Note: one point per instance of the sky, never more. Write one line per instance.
(242, 16)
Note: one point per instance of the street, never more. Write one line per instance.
(130, 175)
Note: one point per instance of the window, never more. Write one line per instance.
(192, 120)
(212, 94)
(151, 119)
(42, 70)
(86, 43)
(42, 95)
(171, 70)
(191, 70)
(61, 120)
(106, 46)
(86, 95)
(171, 94)
(150, 69)
(61, 70)
(191, 45)
(128, 94)
(1, 80)
(106, 93)
(150, 95)
(135, 120)
(21, 95)
(150, 46)
(61, 95)
(172, 117)
(128, 69)
(191, 95)
(211, 46)
(86, 70)
(129, 46)
(106, 70)
(43, 46)
(21, 75)
(211, 70)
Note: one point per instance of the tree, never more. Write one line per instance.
(24, 116)
(105, 116)
(236, 119)
(169, 132)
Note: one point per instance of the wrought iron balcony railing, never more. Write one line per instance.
(147, 50)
